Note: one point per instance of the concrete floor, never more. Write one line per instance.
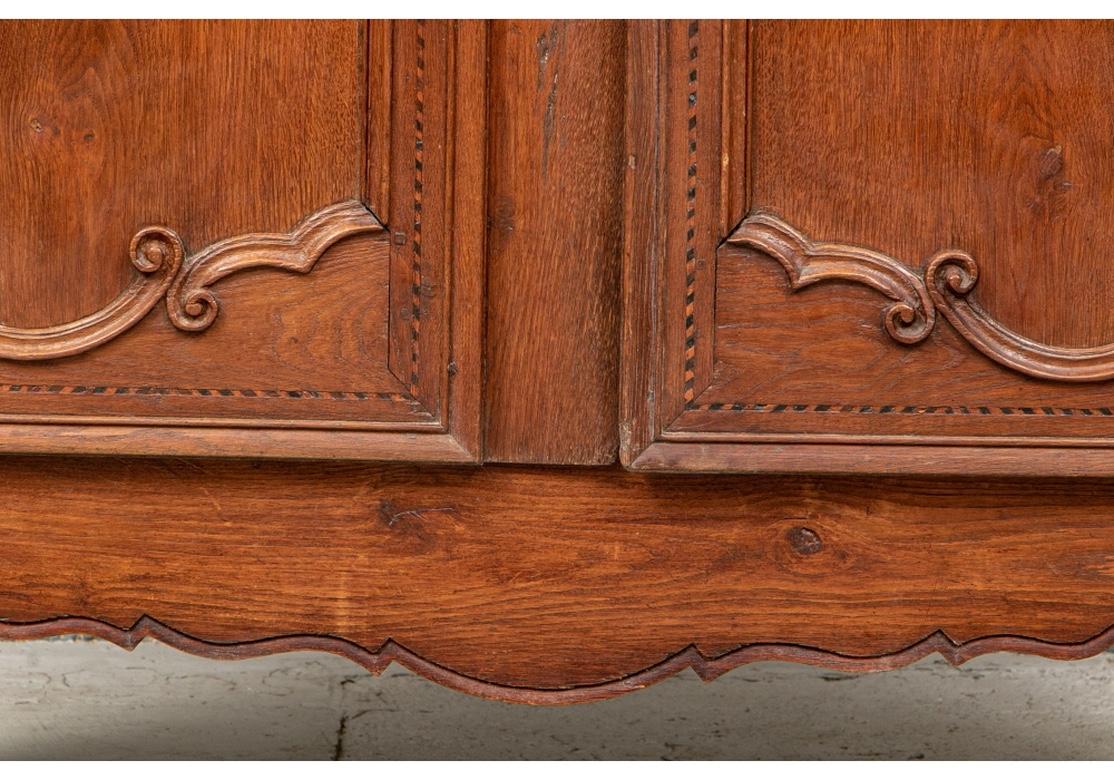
(88, 699)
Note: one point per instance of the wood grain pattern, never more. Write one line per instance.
(157, 253)
(947, 283)
(897, 168)
(103, 137)
(192, 305)
(988, 136)
(598, 580)
(676, 161)
(367, 344)
(554, 241)
(909, 320)
(515, 166)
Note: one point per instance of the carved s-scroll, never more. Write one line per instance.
(909, 319)
(951, 277)
(945, 286)
(158, 253)
(191, 303)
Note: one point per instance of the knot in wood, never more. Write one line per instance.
(804, 540)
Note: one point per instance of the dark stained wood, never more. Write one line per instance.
(554, 241)
(553, 578)
(256, 163)
(874, 192)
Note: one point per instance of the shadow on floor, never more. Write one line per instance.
(88, 699)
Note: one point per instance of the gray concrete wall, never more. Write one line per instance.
(89, 699)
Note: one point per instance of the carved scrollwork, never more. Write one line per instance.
(945, 287)
(911, 316)
(159, 255)
(191, 303)
(951, 277)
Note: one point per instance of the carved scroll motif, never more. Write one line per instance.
(159, 255)
(945, 286)
(191, 303)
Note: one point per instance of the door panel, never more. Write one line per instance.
(871, 237)
(189, 240)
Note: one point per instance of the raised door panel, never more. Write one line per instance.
(870, 246)
(241, 238)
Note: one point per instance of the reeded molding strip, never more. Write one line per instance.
(158, 252)
(945, 286)
(707, 668)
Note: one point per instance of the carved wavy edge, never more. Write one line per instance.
(157, 253)
(193, 306)
(706, 667)
(945, 286)
(908, 320)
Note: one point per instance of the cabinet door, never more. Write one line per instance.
(870, 246)
(241, 238)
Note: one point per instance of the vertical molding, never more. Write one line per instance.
(378, 121)
(692, 167)
(734, 125)
(465, 204)
(555, 241)
(643, 226)
(418, 154)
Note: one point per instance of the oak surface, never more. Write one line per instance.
(551, 578)
(249, 156)
(561, 243)
(113, 125)
(554, 241)
(845, 257)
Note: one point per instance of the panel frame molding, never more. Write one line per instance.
(430, 148)
(689, 157)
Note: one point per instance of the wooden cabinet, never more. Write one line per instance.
(400, 340)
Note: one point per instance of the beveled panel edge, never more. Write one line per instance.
(233, 442)
(794, 456)
(706, 667)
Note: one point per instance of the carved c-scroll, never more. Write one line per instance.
(951, 276)
(159, 255)
(945, 286)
